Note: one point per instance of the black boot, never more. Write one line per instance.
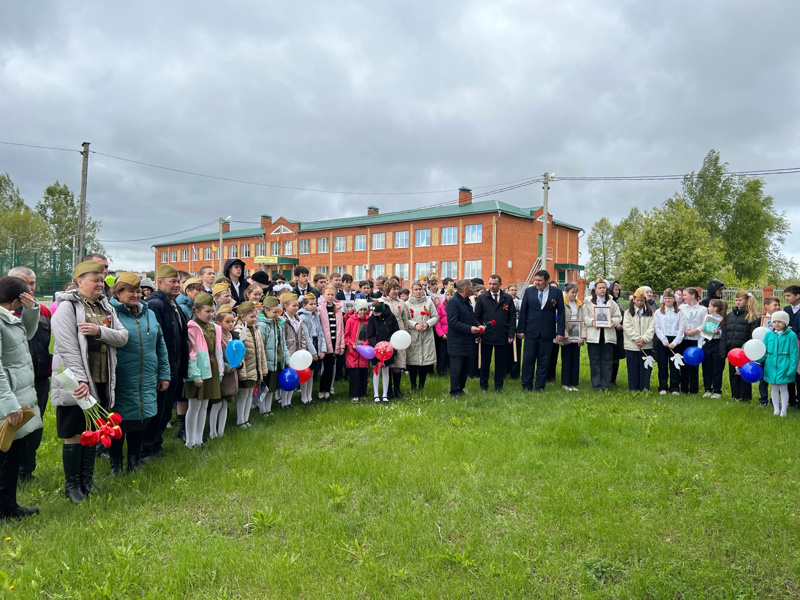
(116, 466)
(181, 427)
(390, 390)
(87, 471)
(134, 461)
(396, 376)
(71, 457)
(9, 475)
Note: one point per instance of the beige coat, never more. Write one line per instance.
(400, 312)
(422, 350)
(254, 365)
(593, 333)
(635, 327)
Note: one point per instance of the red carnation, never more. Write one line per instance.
(115, 418)
(492, 322)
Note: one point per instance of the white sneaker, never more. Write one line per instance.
(354, 400)
(716, 396)
(663, 393)
(783, 414)
(707, 395)
(676, 393)
(574, 389)
(333, 391)
(567, 388)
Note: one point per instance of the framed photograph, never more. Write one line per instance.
(766, 321)
(574, 330)
(709, 328)
(602, 317)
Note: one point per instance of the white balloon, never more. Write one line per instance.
(755, 349)
(401, 340)
(759, 333)
(300, 360)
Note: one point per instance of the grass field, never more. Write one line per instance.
(552, 495)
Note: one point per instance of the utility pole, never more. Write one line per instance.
(219, 249)
(82, 213)
(546, 187)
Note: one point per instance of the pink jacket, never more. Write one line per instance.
(322, 311)
(353, 360)
(441, 324)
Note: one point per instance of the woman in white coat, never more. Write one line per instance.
(600, 341)
(421, 354)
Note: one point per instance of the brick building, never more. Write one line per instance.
(471, 239)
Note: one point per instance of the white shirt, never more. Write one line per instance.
(545, 295)
(670, 324)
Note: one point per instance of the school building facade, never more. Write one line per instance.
(471, 239)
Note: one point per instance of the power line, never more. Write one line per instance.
(40, 147)
(160, 236)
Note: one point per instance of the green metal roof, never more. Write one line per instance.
(413, 214)
(569, 266)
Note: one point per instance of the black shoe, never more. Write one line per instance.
(27, 478)
(87, 470)
(20, 512)
(134, 462)
(181, 433)
(71, 458)
(116, 466)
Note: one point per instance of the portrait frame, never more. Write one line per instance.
(574, 330)
(766, 321)
(709, 327)
(602, 317)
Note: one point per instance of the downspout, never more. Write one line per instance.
(494, 237)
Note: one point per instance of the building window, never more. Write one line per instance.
(359, 273)
(304, 246)
(245, 250)
(401, 269)
(378, 242)
(401, 239)
(339, 243)
(323, 270)
(233, 252)
(359, 242)
(421, 268)
(473, 234)
(449, 269)
(173, 256)
(206, 253)
(449, 236)
(472, 268)
(422, 238)
(322, 246)
(340, 269)
(274, 248)
(184, 256)
(260, 249)
(287, 248)
(378, 270)
(163, 256)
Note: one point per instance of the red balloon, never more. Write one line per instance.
(304, 374)
(384, 350)
(737, 357)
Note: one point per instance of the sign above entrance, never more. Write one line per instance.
(275, 260)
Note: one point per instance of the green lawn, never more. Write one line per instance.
(550, 495)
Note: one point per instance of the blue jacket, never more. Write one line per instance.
(186, 305)
(141, 363)
(537, 322)
(460, 320)
(780, 361)
(173, 326)
(272, 336)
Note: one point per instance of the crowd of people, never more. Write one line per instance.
(151, 352)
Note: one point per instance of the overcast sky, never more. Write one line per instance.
(390, 97)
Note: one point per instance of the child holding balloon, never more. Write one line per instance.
(380, 327)
(737, 329)
(204, 375)
(253, 369)
(293, 334)
(780, 360)
(229, 386)
(274, 348)
(357, 363)
(315, 342)
(771, 305)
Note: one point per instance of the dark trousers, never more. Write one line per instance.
(417, 371)
(536, 355)
(340, 367)
(9, 475)
(326, 379)
(601, 357)
(713, 367)
(357, 377)
(514, 365)
(442, 357)
(638, 373)
(459, 370)
(34, 438)
(669, 376)
(154, 433)
(472, 368)
(552, 366)
(690, 376)
(740, 389)
(570, 365)
(134, 444)
(500, 368)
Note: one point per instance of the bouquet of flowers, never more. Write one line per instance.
(101, 425)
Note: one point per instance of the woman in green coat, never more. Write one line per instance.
(142, 369)
(16, 386)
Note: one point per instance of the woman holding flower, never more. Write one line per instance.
(86, 334)
(421, 354)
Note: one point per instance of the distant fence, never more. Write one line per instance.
(53, 270)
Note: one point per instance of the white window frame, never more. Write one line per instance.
(287, 248)
(473, 234)
(421, 268)
(359, 273)
(304, 246)
(260, 249)
(448, 268)
(377, 271)
(322, 245)
(401, 239)
(378, 241)
(422, 238)
(360, 242)
(233, 251)
(163, 256)
(207, 253)
(173, 256)
(340, 243)
(274, 248)
(401, 270)
(470, 269)
(340, 269)
(245, 251)
(184, 256)
(449, 236)
(323, 270)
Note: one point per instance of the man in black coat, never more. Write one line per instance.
(541, 319)
(462, 328)
(495, 311)
(303, 286)
(792, 296)
(176, 337)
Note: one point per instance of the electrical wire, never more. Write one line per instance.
(41, 147)
(155, 237)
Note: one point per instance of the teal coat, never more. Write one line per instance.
(273, 338)
(16, 367)
(780, 361)
(141, 363)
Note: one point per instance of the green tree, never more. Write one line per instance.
(24, 231)
(10, 198)
(603, 250)
(60, 210)
(672, 247)
(741, 218)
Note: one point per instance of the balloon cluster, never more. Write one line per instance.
(746, 357)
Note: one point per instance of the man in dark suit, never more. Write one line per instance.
(496, 312)
(462, 328)
(541, 319)
(303, 286)
(792, 296)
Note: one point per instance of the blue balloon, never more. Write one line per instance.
(288, 379)
(234, 352)
(751, 372)
(693, 356)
